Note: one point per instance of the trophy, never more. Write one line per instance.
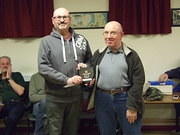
(86, 73)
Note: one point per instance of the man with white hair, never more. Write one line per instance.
(60, 55)
(118, 84)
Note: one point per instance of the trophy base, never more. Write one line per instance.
(87, 80)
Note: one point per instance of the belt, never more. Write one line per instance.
(114, 91)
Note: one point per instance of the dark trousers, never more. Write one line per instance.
(177, 108)
(63, 118)
(11, 113)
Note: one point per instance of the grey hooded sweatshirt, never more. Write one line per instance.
(57, 61)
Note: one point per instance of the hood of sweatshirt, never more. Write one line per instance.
(56, 34)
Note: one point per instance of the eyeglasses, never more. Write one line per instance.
(112, 33)
(59, 17)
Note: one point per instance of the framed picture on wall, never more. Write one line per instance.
(176, 17)
(89, 20)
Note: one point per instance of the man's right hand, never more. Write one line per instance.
(75, 80)
(163, 77)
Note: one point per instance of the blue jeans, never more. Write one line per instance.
(111, 111)
(39, 110)
(12, 112)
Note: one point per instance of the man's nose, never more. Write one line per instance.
(109, 35)
(62, 19)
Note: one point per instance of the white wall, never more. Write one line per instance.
(82, 5)
(23, 53)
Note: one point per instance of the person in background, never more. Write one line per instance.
(171, 74)
(60, 56)
(118, 84)
(37, 97)
(12, 88)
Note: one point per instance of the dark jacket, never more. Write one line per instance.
(174, 73)
(135, 74)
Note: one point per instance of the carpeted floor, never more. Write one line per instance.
(24, 131)
(89, 127)
(93, 131)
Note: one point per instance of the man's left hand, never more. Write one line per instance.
(81, 65)
(9, 72)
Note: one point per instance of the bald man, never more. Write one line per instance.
(60, 55)
(119, 84)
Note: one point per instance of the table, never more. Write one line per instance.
(167, 99)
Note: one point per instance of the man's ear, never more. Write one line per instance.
(122, 34)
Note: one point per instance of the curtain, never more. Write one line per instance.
(25, 18)
(142, 16)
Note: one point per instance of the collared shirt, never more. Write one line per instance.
(113, 70)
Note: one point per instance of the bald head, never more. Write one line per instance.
(61, 20)
(113, 34)
(115, 25)
(60, 11)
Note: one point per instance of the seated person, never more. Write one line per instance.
(12, 88)
(37, 97)
(171, 74)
